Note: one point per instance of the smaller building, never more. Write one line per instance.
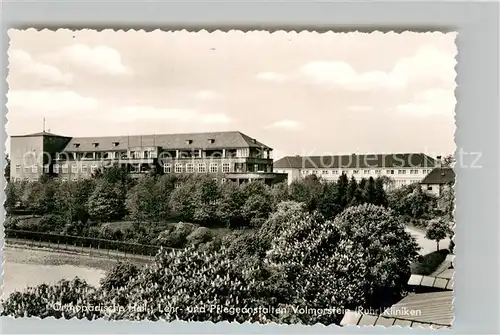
(438, 180)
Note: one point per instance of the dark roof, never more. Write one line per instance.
(440, 175)
(415, 310)
(42, 133)
(232, 139)
(406, 160)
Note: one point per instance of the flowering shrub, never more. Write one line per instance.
(119, 276)
(186, 285)
(48, 301)
(362, 258)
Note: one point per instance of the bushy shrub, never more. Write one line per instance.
(108, 233)
(119, 276)
(51, 224)
(94, 232)
(176, 235)
(199, 236)
(429, 263)
(11, 222)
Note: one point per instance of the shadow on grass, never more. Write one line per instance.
(429, 263)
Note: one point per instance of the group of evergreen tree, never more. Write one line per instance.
(329, 198)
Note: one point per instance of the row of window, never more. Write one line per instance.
(201, 168)
(74, 168)
(107, 155)
(365, 172)
(64, 168)
(33, 168)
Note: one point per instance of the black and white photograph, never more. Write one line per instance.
(240, 176)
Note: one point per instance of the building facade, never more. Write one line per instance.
(231, 156)
(403, 169)
(438, 180)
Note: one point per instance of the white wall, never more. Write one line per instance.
(407, 177)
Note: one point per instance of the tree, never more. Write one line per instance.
(446, 202)
(229, 208)
(411, 201)
(329, 205)
(256, 209)
(437, 230)
(182, 201)
(6, 172)
(71, 200)
(12, 196)
(147, 201)
(351, 190)
(418, 203)
(307, 190)
(388, 182)
(380, 194)
(448, 161)
(115, 174)
(370, 191)
(206, 199)
(107, 201)
(362, 183)
(342, 186)
(279, 193)
(38, 197)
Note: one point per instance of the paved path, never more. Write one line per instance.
(427, 246)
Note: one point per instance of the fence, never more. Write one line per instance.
(83, 244)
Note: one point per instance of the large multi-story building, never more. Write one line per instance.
(231, 156)
(403, 169)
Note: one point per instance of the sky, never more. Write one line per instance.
(301, 93)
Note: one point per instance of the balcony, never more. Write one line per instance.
(132, 160)
(250, 175)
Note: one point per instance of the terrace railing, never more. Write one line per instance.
(81, 244)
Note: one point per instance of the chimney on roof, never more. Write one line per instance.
(439, 161)
(254, 140)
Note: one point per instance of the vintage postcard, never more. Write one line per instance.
(290, 178)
